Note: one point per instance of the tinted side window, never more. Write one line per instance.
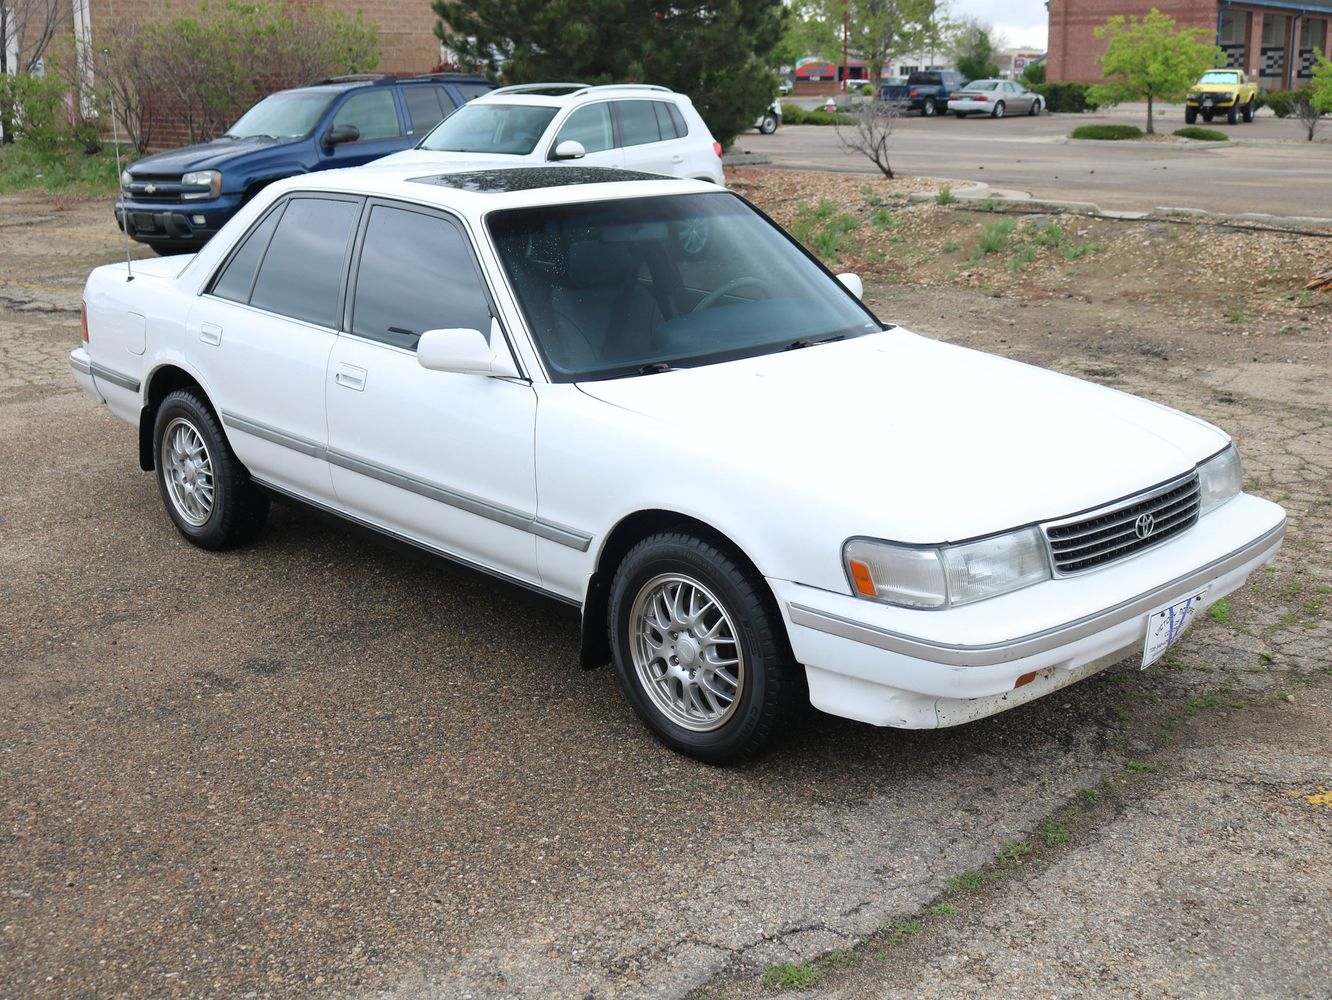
(638, 123)
(591, 126)
(237, 278)
(664, 124)
(371, 111)
(424, 108)
(302, 271)
(681, 126)
(416, 274)
(471, 91)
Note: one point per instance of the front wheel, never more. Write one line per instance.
(768, 125)
(998, 111)
(700, 650)
(207, 492)
(1207, 116)
(1190, 115)
(1233, 115)
(1035, 108)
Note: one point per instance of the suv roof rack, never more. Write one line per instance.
(632, 86)
(358, 78)
(449, 76)
(541, 88)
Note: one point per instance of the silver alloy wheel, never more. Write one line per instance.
(686, 652)
(999, 110)
(187, 470)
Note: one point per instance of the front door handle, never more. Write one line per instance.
(351, 377)
(210, 333)
(677, 159)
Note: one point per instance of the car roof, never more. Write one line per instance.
(559, 95)
(474, 189)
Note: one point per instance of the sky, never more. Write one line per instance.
(1023, 23)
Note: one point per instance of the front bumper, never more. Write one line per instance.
(924, 669)
(1206, 103)
(184, 224)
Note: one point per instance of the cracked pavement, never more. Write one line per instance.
(322, 767)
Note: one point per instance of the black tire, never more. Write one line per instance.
(1233, 114)
(1190, 115)
(238, 508)
(1208, 115)
(998, 111)
(768, 125)
(770, 689)
(1248, 111)
(928, 109)
(960, 114)
(1035, 108)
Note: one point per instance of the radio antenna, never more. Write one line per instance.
(124, 212)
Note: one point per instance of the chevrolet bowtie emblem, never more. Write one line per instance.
(149, 188)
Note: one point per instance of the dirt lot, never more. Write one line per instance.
(317, 767)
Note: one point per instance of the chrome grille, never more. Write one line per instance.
(154, 187)
(1120, 530)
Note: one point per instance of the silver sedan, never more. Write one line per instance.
(995, 98)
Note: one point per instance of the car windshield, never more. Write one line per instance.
(287, 115)
(490, 128)
(983, 85)
(642, 285)
(1220, 78)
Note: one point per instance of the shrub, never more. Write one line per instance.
(33, 108)
(1281, 102)
(1108, 132)
(1033, 73)
(794, 114)
(1202, 134)
(1065, 96)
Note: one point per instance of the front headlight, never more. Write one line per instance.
(211, 179)
(1219, 480)
(946, 575)
(125, 179)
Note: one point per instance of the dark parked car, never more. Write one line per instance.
(175, 201)
(927, 91)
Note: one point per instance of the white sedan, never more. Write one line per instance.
(640, 396)
(995, 98)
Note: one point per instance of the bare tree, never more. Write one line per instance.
(871, 133)
(1309, 113)
(27, 27)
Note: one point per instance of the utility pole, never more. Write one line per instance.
(846, 43)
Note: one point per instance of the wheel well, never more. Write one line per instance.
(595, 650)
(164, 381)
(254, 189)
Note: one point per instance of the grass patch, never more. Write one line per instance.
(1090, 796)
(945, 197)
(996, 236)
(951, 247)
(944, 910)
(1054, 833)
(968, 881)
(1201, 134)
(824, 229)
(835, 958)
(1219, 611)
(791, 976)
(1022, 258)
(25, 168)
(1082, 250)
(1106, 132)
(885, 219)
(1139, 767)
(1013, 852)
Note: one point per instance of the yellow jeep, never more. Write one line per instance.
(1221, 90)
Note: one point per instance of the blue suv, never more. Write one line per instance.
(175, 201)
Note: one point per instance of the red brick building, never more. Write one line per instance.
(1274, 42)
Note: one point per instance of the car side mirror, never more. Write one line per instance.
(569, 149)
(339, 134)
(465, 351)
(852, 283)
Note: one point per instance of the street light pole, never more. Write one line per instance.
(846, 43)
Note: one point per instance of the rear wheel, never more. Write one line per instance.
(768, 125)
(998, 111)
(700, 650)
(960, 114)
(928, 109)
(207, 492)
(1248, 111)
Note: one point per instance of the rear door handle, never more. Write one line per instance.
(210, 333)
(351, 377)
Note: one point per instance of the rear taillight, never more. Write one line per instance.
(716, 148)
(83, 320)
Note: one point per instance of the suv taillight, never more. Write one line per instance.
(83, 320)
(716, 148)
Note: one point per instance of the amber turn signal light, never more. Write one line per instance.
(864, 582)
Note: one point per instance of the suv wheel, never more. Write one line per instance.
(768, 125)
(928, 109)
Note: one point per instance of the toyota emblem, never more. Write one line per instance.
(1144, 526)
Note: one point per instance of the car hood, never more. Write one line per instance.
(204, 156)
(926, 442)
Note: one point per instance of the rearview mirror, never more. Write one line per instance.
(569, 149)
(339, 134)
(465, 351)
(852, 283)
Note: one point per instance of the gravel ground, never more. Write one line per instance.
(323, 767)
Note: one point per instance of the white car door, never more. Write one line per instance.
(648, 135)
(263, 331)
(442, 459)
(591, 126)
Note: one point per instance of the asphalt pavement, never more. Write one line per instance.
(1269, 169)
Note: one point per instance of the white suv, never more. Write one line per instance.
(636, 126)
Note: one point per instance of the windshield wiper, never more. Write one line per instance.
(654, 368)
(795, 345)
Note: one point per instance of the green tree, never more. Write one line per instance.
(882, 30)
(808, 32)
(716, 52)
(973, 50)
(1033, 73)
(1149, 60)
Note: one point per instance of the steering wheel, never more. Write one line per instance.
(745, 280)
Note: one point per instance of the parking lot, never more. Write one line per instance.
(318, 766)
(1267, 169)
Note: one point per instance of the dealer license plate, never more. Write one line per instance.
(1166, 625)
